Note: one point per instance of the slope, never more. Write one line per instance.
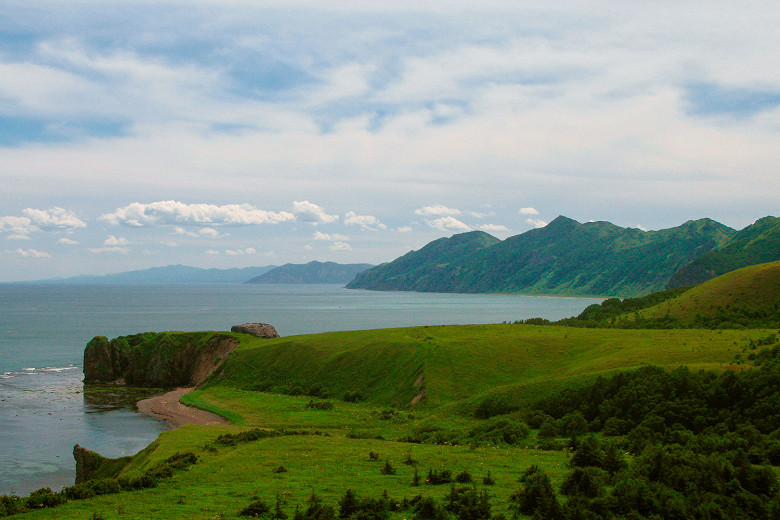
(563, 258)
(313, 272)
(756, 244)
(738, 298)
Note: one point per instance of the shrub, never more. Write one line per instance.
(354, 397)
(44, 497)
(436, 478)
(279, 469)
(500, 430)
(320, 405)
(493, 405)
(255, 509)
(464, 477)
(387, 469)
(373, 456)
(488, 479)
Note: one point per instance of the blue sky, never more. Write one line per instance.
(233, 133)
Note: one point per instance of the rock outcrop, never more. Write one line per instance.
(164, 360)
(261, 330)
(87, 462)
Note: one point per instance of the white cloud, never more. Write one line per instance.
(528, 211)
(67, 242)
(329, 237)
(493, 227)
(537, 223)
(110, 250)
(436, 211)
(54, 218)
(306, 211)
(244, 251)
(369, 222)
(115, 241)
(172, 212)
(30, 253)
(448, 224)
(18, 237)
(212, 252)
(340, 246)
(404, 229)
(209, 233)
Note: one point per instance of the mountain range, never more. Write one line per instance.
(313, 272)
(573, 259)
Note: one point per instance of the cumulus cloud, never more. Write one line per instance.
(67, 242)
(330, 237)
(172, 212)
(528, 211)
(306, 211)
(369, 222)
(404, 229)
(493, 227)
(240, 251)
(537, 223)
(30, 253)
(436, 211)
(340, 246)
(448, 224)
(115, 241)
(52, 219)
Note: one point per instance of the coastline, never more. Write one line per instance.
(168, 408)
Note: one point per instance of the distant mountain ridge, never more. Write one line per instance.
(311, 273)
(756, 244)
(563, 258)
(172, 274)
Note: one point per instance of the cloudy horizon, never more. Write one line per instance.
(230, 134)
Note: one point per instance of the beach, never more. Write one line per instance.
(168, 408)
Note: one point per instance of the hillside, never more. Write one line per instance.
(756, 244)
(171, 274)
(737, 298)
(313, 272)
(563, 258)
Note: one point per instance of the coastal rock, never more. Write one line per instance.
(261, 330)
(164, 360)
(87, 463)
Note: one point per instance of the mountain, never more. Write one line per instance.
(172, 274)
(756, 244)
(563, 258)
(313, 272)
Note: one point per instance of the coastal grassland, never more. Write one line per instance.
(454, 365)
(369, 380)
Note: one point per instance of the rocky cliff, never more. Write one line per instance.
(159, 360)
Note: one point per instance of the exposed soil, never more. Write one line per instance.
(168, 408)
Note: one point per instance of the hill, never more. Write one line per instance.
(563, 258)
(747, 297)
(171, 274)
(756, 244)
(313, 272)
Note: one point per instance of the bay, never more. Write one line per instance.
(44, 328)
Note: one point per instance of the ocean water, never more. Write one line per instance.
(44, 328)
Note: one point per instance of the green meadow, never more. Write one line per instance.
(384, 389)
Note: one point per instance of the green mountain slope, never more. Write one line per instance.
(313, 272)
(564, 258)
(740, 298)
(756, 244)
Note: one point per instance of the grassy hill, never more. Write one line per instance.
(750, 293)
(756, 244)
(564, 258)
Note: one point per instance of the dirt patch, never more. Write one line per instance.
(168, 408)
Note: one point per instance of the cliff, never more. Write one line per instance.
(159, 360)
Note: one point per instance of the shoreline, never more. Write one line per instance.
(168, 408)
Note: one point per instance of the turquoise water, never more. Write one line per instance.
(44, 327)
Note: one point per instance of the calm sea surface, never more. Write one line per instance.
(44, 328)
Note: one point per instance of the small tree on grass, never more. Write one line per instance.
(387, 469)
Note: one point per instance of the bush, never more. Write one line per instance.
(436, 478)
(279, 469)
(354, 397)
(500, 430)
(255, 509)
(464, 477)
(44, 497)
(387, 469)
(488, 480)
(320, 405)
(493, 405)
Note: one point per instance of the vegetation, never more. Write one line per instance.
(470, 423)
(565, 257)
(756, 244)
(313, 272)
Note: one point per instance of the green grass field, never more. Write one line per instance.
(448, 369)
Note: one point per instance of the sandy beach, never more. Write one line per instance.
(168, 408)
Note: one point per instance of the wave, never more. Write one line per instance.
(31, 371)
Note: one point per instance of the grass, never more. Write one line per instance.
(455, 366)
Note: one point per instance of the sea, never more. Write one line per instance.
(44, 411)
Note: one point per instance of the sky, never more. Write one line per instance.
(238, 133)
